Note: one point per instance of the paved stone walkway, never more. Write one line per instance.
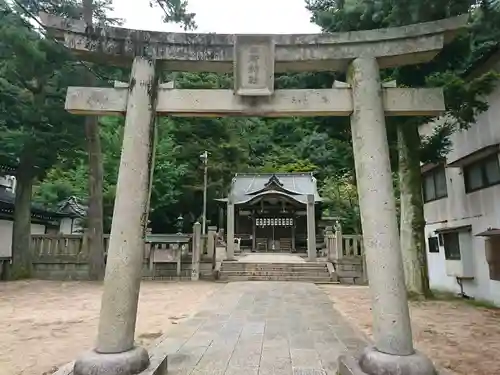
(265, 328)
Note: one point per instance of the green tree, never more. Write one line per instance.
(95, 219)
(175, 11)
(341, 196)
(62, 182)
(461, 98)
(33, 76)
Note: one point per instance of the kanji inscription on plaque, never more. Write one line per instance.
(254, 65)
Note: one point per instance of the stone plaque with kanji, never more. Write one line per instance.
(254, 65)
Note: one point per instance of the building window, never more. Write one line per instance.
(482, 174)
(451, 243)
(435, 184)
(433, 244)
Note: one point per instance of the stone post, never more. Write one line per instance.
(115, 352)
(393, 352)
(178, 258)
(329, 243)
(311, 229)
(148, 249)
(212, 230)
(364, 276)
(195, 263)
(230, 228)
(339, 241)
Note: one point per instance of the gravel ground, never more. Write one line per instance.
(46, 324)
(460, 338)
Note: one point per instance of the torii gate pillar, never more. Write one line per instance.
(393, 352)
(115, 352)
(257, 59)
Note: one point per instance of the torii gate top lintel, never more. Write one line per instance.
(411, 44)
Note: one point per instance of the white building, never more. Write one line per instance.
(67, 220)
(462, 206)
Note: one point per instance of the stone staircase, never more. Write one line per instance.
(318, 272)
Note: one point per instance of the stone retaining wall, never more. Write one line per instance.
(350, 270)
(66, 257)
(56, 269)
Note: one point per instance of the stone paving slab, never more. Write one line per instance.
(262, 328)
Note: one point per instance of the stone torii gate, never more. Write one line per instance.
(255, 60)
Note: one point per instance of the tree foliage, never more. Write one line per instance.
(175, 11)
(465, 98)
(34, 128)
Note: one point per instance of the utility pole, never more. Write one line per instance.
(204, 158)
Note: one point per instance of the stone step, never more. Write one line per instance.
(282, 269)
(274, 265)
(275, 273)
(322, 280)
(298, 264)
(314, 272)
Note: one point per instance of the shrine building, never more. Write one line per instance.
(270, 211)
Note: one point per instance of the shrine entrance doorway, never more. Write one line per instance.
(274, 233)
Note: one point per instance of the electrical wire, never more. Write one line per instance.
(45, 33)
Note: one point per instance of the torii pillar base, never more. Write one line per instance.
(373, 362)
(131, 362)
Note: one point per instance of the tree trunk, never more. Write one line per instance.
(21, 232)
(412, 222)
(95, 209)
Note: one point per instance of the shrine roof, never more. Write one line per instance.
(38, 213)
(73, 207)
(296, 186)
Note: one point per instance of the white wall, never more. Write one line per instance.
(70, 226)
(481, 209)
(8, 182)
(66, 226)
(6, 236)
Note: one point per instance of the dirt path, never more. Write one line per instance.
(460, 338)
(45, 324)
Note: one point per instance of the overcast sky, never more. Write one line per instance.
(225, 16)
